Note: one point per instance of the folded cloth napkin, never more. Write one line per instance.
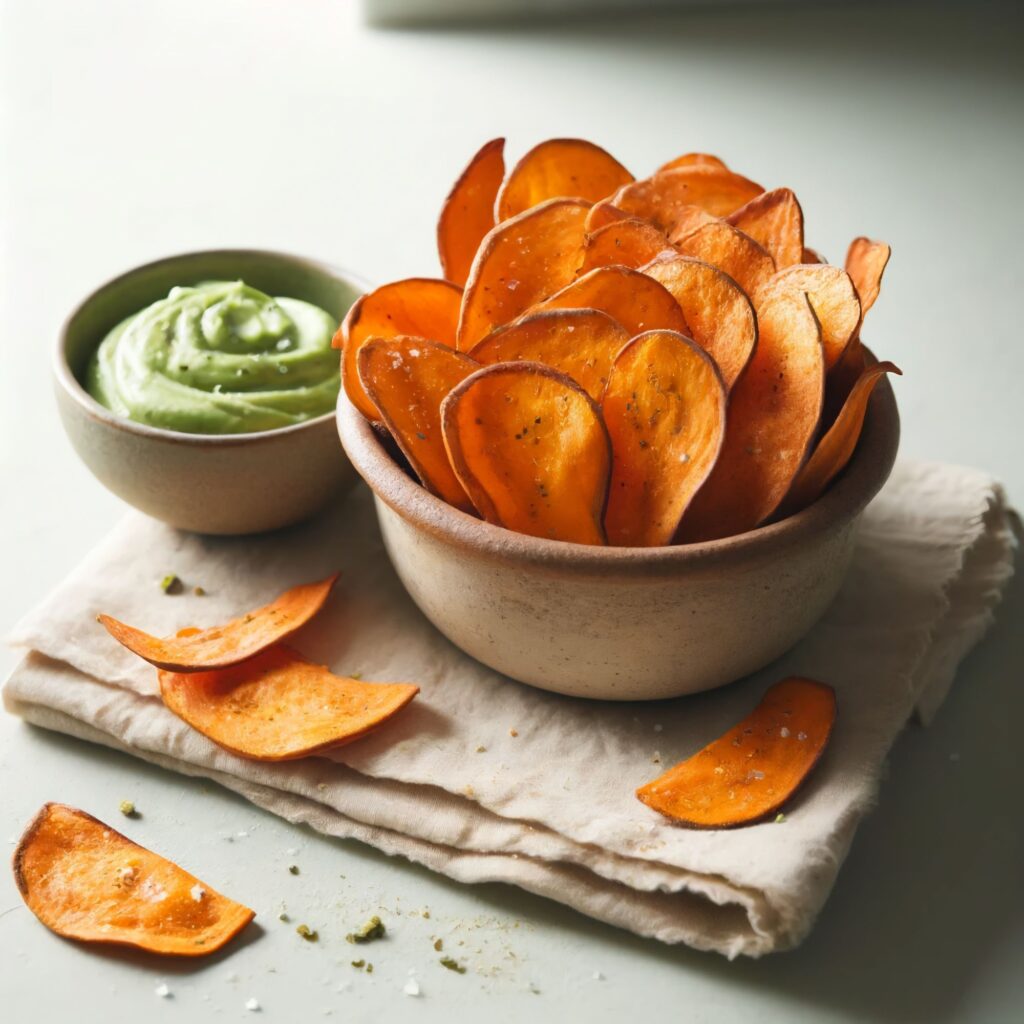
(484, 779)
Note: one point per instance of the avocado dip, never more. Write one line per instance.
(218, 358)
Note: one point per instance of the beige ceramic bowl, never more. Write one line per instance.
(621, 623)
(242, 483)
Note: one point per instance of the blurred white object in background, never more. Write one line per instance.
(399, 12)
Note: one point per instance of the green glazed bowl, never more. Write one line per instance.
(230, 484)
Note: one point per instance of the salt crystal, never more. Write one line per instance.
(801, 735)
(784, 733)
(411, 987)
(163, 991)
(597, 976)
(252, 1005)
(197, 892)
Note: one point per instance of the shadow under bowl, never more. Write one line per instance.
(220, 484)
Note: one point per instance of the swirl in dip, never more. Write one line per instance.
(218, 358)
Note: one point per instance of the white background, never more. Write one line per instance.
(132, 130)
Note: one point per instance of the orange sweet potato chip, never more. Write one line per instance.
(661, 198)
(87, 882)
(664, 408)
(812, 256)
(833, 451)
(468, 212)
(194, 650)
(581, 343)
(692, 160)
(407, 379)
(738, 255)
(418, 306)
(630, 242)
(833, 299)
(278, 706)
(689, 218)
(634, 299)
(750, 772)
(865, 263)
(774, 220)
(720, 315)
(520, 262)
(602, 213)
(529, 446)
(774, 411)
(567, 168)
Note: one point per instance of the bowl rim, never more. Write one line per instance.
(862, 479)
(69, 383)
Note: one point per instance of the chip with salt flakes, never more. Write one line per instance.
(87, 882)
(746, 775)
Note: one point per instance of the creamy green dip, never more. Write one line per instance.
(219, 358)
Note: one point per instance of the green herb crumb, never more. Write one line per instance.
(171, 584)
(438, 945)
(293, 869)
(127, 808)
(369, 968)
(372, 929)
(199, 592)
(779, 818)
(283, 917)
(356, 675)
(452, 964)
(360, 964)
(307, 933)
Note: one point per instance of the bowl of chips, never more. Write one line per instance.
(621, 448)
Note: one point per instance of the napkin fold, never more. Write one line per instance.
(484, 779)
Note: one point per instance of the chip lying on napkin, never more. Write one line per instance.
(484, 779)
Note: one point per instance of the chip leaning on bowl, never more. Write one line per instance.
(218, 358)
(639, 363)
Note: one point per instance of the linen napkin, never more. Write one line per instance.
(485, 779)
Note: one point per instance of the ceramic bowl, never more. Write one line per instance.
(226, 484)
(621, 623)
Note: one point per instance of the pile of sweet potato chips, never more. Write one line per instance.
(619, 361)
(241, 687)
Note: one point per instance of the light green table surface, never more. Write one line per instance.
(131, 130)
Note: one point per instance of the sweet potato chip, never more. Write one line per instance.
(468, 212)
(664, 408)
(865, 263)
(661, 198)
(693, 160)
(689, 219)
(278, 706)
(87, 882)
(751, 771)
(407, 379)
(529, 446)
(602, 213)
(626, 243)
(812, 256)
(774, 411)
(581, 343)
(194, 650)
(421, 307)
(521, 261)
(738, 255)
(833, 451)
(775, 221)
(634, 299)
(833, 299)
(560, 168)
(720, 315)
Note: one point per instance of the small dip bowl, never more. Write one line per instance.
(622, 623)
(226, 484)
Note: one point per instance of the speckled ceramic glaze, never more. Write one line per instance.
(241, 483)
(621, 623)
